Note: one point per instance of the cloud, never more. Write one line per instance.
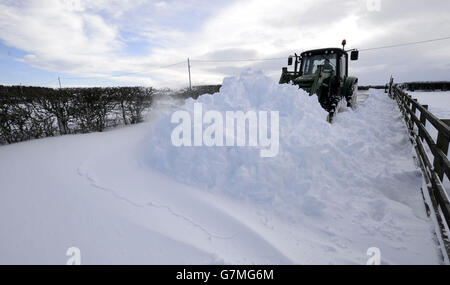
(106, 37)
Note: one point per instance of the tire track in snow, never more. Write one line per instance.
(83, 173)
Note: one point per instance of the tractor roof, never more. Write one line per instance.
(323, 51)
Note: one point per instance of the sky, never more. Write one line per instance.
(147, 43)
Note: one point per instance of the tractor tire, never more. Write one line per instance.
(352, 96)
(333, 108)
(323, 98)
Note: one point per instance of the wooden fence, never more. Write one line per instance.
(434, 162)
(427, 86)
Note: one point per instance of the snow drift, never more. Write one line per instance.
(129, 196)
(356, 175)
(240, 171)
(317, 164)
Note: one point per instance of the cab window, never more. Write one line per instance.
(311, 63)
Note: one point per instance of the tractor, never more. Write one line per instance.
(324, 72)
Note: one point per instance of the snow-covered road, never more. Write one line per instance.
(333, 192)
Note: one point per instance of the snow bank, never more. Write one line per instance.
(339, 188)
(318, 164)
(332, 192)
(240, 171)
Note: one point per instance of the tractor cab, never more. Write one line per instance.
(323, 72)
(311, 62)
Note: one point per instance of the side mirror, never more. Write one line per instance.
(354, 55)
(290, 61)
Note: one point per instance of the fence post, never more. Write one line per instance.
(413, 110)
(408, 105)
(423, 120)
(391, 82)
(442, 144)
(409, 101)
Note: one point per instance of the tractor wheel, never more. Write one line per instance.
(352, 97)
(323, 98)
(333, 107)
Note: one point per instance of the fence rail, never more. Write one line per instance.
(427, 86)
(433, 171)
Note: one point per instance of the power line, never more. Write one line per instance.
(72, 78)
(173, 64)
(236, 60)
(128, 73)
(283, 58)
(50, 81)
(406, 44)
(153, 68)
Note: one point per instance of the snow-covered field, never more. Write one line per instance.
(128, 196)
(438, 102)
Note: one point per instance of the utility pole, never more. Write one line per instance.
(189, 69)
(59, 80)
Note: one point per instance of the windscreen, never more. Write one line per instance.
(310, 63)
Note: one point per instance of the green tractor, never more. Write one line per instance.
(324, 72)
